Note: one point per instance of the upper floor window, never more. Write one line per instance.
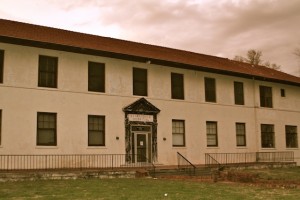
(96, 130)
(177, 87)
(1, 65)
(47, 71)
(96, 77)
(178, 133)
(265, 96)
(211, 134)
(139, 82)
(210, 89)
(238, 93)
(282, 92)
(267, 136)
(291, 137)
(240, 134)
(46, 129)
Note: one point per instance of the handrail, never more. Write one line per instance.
(207, 155)
(187, 163)
(249, 157)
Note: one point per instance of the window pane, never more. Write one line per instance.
(177, 87)
(46, 129)
(96, 77)
(178, 140)
(96, 130)
(210, 89)
(178, 133)
(96, 138)
(47, 71)
(46, 136)
(139, 82)
(239, 93)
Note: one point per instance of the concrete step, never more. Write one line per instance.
(199, 171)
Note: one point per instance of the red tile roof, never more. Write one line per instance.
(51, 36)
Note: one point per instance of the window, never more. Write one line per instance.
(177, 87)
(47, 72)
(46, 129)
(0, 124)
(238, 93)
(1, 65)
(212, 134)
(282, 92)
(210, 89)
(291, 137)
(240, 134)
(265, 96)
(96, 79)
(267, 136)
(96, 130)
(139, 82)
(178, 133)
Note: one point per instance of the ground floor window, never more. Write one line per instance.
(178, 133)
(96, 130)
(291, 136)
(240, 134)
(46, 129)
(212, 134)
(267, 136)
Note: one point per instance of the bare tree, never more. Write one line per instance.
(239, 58)
(272, 65)
(254, 57)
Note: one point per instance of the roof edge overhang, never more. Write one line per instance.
(80, 50)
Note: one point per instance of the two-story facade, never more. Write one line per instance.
(64, 92)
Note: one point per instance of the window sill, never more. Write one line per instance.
(288, 148)
(242, 147)
(265, 148)
(96, 147)
(213, 147)
(179, 147)
(47, 147)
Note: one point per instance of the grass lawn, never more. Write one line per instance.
(139, 189)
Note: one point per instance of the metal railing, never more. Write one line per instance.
(185, 165)
(210, 161)
(71, 161)
(254, 157)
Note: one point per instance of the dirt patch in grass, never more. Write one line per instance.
(270, 178)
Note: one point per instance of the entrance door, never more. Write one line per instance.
(141, 147)
(141, 143)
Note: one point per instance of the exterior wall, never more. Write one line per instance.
(21, 99)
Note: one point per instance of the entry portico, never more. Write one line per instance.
(141, 131)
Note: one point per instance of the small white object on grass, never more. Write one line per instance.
(166, 194)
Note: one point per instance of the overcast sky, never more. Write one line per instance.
(222, 28)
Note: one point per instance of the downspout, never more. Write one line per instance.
(255, 116)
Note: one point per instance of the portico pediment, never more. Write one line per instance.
(141, 106)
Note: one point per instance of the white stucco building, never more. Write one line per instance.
(64, 92)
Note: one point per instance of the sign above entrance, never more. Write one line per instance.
(140, 118)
